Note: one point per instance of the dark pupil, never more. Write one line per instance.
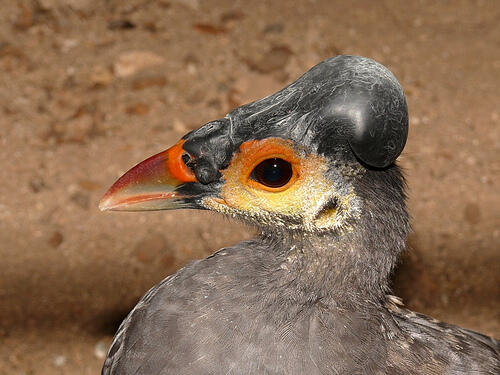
(273, 172)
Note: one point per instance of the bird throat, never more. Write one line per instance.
(350, 268)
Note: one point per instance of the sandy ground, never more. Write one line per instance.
(89, 88)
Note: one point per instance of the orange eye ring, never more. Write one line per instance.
(254, 153)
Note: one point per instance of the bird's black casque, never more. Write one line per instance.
(304, 297)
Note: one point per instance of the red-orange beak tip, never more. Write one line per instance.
(107, 202)
(104, 204)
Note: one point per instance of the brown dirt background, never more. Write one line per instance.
(89, 88)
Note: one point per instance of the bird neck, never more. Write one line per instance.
(351, 267)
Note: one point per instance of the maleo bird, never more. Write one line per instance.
(313, 168)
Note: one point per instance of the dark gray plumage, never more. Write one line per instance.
(301, 298)
(204, 321)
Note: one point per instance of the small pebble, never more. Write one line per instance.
(132, 62)
(122, 24)
(275, 59)
(59, 360)
(56, 239)
(101, 349)
(472, 213)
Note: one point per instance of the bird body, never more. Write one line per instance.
(216, 317)
(312, 167)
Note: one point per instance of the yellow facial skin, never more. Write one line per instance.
(301, 204)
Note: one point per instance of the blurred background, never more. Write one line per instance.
(89, 88)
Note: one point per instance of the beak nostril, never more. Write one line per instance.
(204, 171)
(188, 160)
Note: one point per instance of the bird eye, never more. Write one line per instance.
(273, 173)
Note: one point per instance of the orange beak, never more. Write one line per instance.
(152, 184)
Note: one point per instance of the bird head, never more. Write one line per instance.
(310, 158)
